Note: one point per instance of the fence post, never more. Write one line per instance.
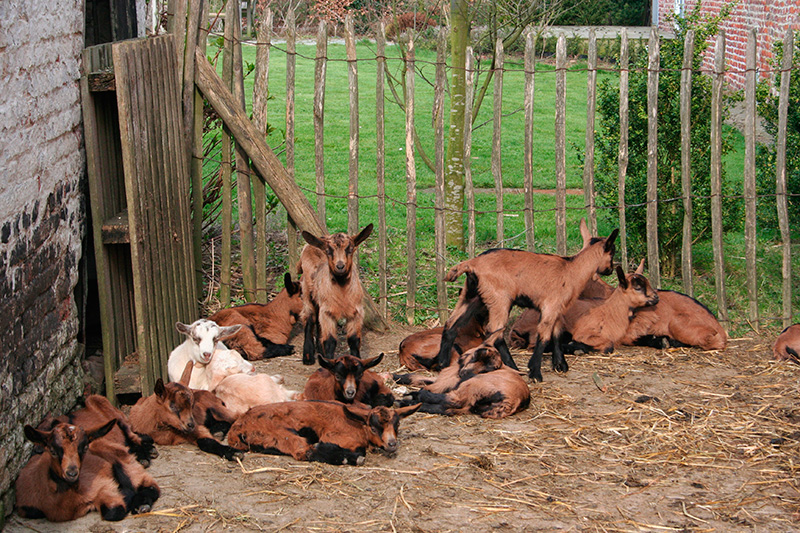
(687, 272)
(716, 174)
(352, 78)
(527, 160)
(411, 188)
(380, 173)
(653, 65)
(226, 167)
(622, 156)
(320, 68)
(591, 105)
(260, 94)
(497, 117)
(561, 144)
(469, 188)
(291, 59)
(750, 180)
(438, 129)
(780, 178)
(196, 142)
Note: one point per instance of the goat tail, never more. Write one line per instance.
(457, 270)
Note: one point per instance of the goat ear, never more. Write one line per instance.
(101, 431)
(610, 240)
(362, 236)
(292, 288)
(640, 268)
(36, 436)
(187, 373)
(183, 328)
(369, 363)
(158, 388)
(585, 233)
(623, 281)
(313, 240)
(324, 362)
(405, 411)
(356, 413)
(227, 331)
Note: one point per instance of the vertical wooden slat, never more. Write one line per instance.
(179, 28)
(226, 168)
(186, 62)
(469, 189)
(716, 175)
(561, 144)
(653, 64)
(687, 271)
(622, 155)
(291, 59)
(243, 192)
(352, 78)
(527, 163)
(196, 168)
(321, 66)
(380, 171)
(260, 95)
(591, 105)
(750, 180)
(438, 135)
(780, 178)
(411, 188)
(497, 163)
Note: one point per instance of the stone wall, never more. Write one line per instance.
(42, 220)
(771, 19)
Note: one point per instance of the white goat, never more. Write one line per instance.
(202, 345)
(240, 392)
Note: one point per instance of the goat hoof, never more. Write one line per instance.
(145, 508)
(536, 377)
(308, 360)
(360, 460)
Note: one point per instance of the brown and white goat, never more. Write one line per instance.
(240, 392)
(347, 379)
(787, 345)
(168, 417)
(479, 383)
(203, 340)
(331, 291)
(68, 479)
(328, 432)
(502, 278)
(266, 327)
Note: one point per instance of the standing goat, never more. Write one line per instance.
(502, 278)
(203, 338)
(266, 327)
(331, 291)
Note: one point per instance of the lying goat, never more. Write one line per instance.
(328, 432)
(347, 379)
(240, 392)
(203, 340)
(787, 345)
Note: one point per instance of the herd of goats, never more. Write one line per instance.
(95, 458)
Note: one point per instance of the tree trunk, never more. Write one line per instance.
(454, 166)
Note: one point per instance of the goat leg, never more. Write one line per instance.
(505, 354)
(535, 362)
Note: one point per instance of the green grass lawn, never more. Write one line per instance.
(336, 142)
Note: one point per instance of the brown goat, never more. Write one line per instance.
(331, 292)
(347, 379)
(787, 345)
(168, 417)
(211, 412)
(68, 480)
(502, 278)
(267, 327)
(328, 432)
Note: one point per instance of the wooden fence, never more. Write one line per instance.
(417, 260)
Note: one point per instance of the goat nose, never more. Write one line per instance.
(72, 473)
(340, 265)
(207, 356)
(350, 393)
(391, 445)
(190, 425)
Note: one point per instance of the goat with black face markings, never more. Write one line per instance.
(347, 379)
(331, 291)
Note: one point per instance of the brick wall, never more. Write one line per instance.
(42, 222)
(771, 19)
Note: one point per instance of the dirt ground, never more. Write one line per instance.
(642, 440)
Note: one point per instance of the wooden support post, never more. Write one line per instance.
(527, 163)
(411, 188)
(561, 145)
(750, 181)
(497, 127)
(653, 66)
(622, 156)
(716, 176)
(438, 135)
(687, 272)
(588, 161)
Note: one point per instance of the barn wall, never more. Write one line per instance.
(771, 18)
(42, 219)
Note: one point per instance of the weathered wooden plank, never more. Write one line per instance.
(780, 177)
(291, 58)
(115, 229)
(687, 270)
(527, 160)
(380, 170)
(352, 81)
(591, 106)
(653, 66)
(320, 69)
(438, 135)
(226, 168)
(260, 95)
(469, 188)
(750, 180)
(717, 96)
(622, 155)
(497, 126)
(101, 81)
(196, 167)
(561, 144)
(411, 188)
